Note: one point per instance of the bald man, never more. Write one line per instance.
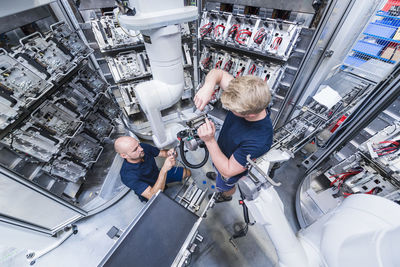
(139, 170)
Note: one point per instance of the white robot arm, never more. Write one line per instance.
(363, 231)
(158, 22)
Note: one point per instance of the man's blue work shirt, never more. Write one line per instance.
(138, 176)
(239, 137)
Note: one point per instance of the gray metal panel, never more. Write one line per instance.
(21, 203)
(297, 5)
(14, 21)
(94, 4)
(20, 5)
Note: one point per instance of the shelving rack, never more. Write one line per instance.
(254, 44)
(56, 123)
(361, 154)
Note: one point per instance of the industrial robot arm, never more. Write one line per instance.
(359, 232)
(158, 22)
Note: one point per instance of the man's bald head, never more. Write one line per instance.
(123, 143)
(128, 148)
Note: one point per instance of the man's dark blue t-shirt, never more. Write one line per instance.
(138, 176)
(239, 137)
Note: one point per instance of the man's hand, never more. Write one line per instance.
(203, 96)
(169, 163)
(172, 152)
(206, 131)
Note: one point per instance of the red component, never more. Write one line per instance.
(218, 64)
(340, 121)
(241, 202)
(217, 32)
(240, 38)
(389, 4)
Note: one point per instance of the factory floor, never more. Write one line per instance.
(90, 244)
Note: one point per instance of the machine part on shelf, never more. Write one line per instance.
(185, 29)
(242, 66)
(125, 96)
(19, 87)
(84, 149)
(192, 198)
(206, 59)
(187, 93)
(218, 60)
(99, 126)
(313, 119)
(107, 108)
(189, 138)
(128, 66)
(69, 41)
(383, 148)
(34, 142)
(45, 56)
(206, 26)
(57, 119)
(276, 38)
(91, 80)
(110, 36)
(66, 169)
(186, 55)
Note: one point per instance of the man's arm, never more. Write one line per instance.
(160, 183)
(213, 78)
(226, 167)
(166, 153)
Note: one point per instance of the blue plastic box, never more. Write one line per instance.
(381, 30)
(368, 48)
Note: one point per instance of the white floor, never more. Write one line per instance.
(91, 243)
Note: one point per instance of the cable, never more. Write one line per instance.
(392, 147)
(276, 43)
(252, 69)
(343, 176)
(242, 40)
(233, 30)
(218, 64)
(205, 62)
(239, 72)
(116, 18)
(187, 163)
(228, 65)
(217, 33)
(206, 29)
(259, 36)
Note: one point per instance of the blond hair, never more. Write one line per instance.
(246, 95)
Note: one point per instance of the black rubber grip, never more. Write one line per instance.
(187, 163)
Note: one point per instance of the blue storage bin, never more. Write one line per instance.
(354, 61)
(390, 21)
(380, 30)
(368, 48)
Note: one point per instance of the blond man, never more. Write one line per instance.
(247, 129)
(139, 170)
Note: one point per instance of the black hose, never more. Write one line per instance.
(187, 163)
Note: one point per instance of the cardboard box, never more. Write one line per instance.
(388, 52)
(396, 55)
